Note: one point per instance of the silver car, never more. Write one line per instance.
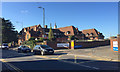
(43, 49)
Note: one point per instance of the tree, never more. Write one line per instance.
(71, 37)
(9, 33)
(32, 38)
(50, 35)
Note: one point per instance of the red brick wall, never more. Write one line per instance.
(118, 44)
(111, 43)
(93, 44)
(61, 39)
(84, 44)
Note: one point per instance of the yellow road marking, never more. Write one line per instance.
(46, 57)
(2, 60)
(100, 58)
(15, 68)
(75, 59)
(12, 66)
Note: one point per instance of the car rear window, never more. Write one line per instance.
(44, 46)
(5, 44)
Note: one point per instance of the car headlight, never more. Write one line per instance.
(44, 50)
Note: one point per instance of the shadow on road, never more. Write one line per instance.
(57, 65)
(15, 54)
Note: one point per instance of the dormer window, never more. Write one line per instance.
(39, 27)
(25, 30)
(68, 32)
(87, 34)
(91, 34)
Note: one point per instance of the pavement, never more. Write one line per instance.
(98, 53)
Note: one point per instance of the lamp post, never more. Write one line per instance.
(43, 19)
(43, 15)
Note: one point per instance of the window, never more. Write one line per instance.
(43, 35)
(27, 36)
(87, 34)
(39, 27)
(68, 32)
(47, 33)
(91, 34)
(54, 33)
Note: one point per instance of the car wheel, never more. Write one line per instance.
(19, 51)
(42, 53)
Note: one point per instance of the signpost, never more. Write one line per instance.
(62, 44)
(115, 45)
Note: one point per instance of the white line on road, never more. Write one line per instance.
(80, 55)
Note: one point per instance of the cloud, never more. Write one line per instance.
(24, 11)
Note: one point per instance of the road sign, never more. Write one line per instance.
(115, 45)
(62, 44)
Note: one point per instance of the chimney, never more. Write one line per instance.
(55, 26)
(24, 29)
(77, 29)
(45, 26)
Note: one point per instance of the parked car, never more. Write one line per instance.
(43, 49)
(23, 49)
(4, 46)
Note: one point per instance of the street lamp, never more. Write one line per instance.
(43, 20)
(43, 16)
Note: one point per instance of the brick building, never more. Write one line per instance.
(92, 34)
(61, 34)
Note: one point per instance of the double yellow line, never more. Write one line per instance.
(12, 66)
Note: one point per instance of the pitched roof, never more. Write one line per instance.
(89, 31)
(72, 30)
(54, 30)
(33, 26)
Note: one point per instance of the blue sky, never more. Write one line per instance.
(102, 16)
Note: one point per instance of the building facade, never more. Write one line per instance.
(60, 34)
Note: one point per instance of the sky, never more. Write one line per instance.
(102, 16)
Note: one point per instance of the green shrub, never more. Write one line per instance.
(41, 39)
(32, 38)
(46, 39)
(30, 43)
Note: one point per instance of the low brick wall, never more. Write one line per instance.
(52, 44)
(84, 44)
(93, 43)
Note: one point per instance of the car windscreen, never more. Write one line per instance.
(44, 46)
(5, 44)
(25, 47)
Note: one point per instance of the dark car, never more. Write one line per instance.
(23, 49)
(43, 49)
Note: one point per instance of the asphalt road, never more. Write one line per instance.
(22, 62)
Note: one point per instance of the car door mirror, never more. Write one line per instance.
(39, 48)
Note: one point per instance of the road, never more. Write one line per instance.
(22, 62)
